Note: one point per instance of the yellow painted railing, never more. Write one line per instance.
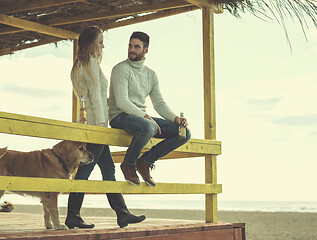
(94, 187)
(53, 129)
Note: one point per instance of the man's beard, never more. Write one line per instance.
(137, 57)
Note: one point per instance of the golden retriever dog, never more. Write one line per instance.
(58, 162)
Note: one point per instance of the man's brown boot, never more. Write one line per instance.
(130, 173)
(144, 169)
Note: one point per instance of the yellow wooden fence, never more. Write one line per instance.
(53, 129)
(61, 130)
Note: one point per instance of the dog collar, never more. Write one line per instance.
(61, 161)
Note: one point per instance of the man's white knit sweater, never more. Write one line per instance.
(131, 82)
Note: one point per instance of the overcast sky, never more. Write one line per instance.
(266, 99)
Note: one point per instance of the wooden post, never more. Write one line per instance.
(75, 106)
(75, 99)
(211, 214)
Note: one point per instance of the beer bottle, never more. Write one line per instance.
(181, 129)
(83, 111)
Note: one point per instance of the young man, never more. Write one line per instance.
(131, 82)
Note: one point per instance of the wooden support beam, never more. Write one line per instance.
(217, 8)
(120, 13)
(137, 19)
(209, 109)
(10, 30)
(13, 8)
(109, 14)
(37, 27)
(160, 14)
(5, 51)
(75, 105)
(93, 187)
(200, 3)
(209, 73)
(94, 3)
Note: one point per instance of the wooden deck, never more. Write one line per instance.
(31, 226)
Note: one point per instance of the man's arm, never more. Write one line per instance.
(158, 102)
(162, 108)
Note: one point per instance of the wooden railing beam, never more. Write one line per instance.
(47, 128)
(97, 187)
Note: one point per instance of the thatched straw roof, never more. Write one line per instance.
(28, 23)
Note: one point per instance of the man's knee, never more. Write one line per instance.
(149, 128)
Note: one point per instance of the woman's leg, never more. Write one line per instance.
(75, 200)
(106, 165)
(124, 217)
(116, 201)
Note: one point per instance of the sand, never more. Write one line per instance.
(259, 225)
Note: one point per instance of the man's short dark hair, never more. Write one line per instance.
(142, 37)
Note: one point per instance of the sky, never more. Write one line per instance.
(266, 105)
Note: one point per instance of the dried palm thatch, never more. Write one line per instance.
(71, 16)
(273, 9)
(301, 11)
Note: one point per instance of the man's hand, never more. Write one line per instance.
(158, 127)
(181, 121)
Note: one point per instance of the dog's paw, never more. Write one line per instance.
(61, 227)
(48, 225)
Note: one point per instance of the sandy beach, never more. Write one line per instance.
(259, 225)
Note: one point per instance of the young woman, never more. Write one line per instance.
(89, 82)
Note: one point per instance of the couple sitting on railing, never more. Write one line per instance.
(131, 83)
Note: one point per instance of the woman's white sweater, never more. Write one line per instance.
(89, 82)
(131, 82)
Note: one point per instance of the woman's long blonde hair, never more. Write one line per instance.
(86, 50)
(86, 43)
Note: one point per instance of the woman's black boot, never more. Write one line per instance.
(73, 218)
(124, 217)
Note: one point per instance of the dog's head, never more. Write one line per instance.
(73, 154)
(79, 152)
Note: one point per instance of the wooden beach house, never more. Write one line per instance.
(30, 23)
